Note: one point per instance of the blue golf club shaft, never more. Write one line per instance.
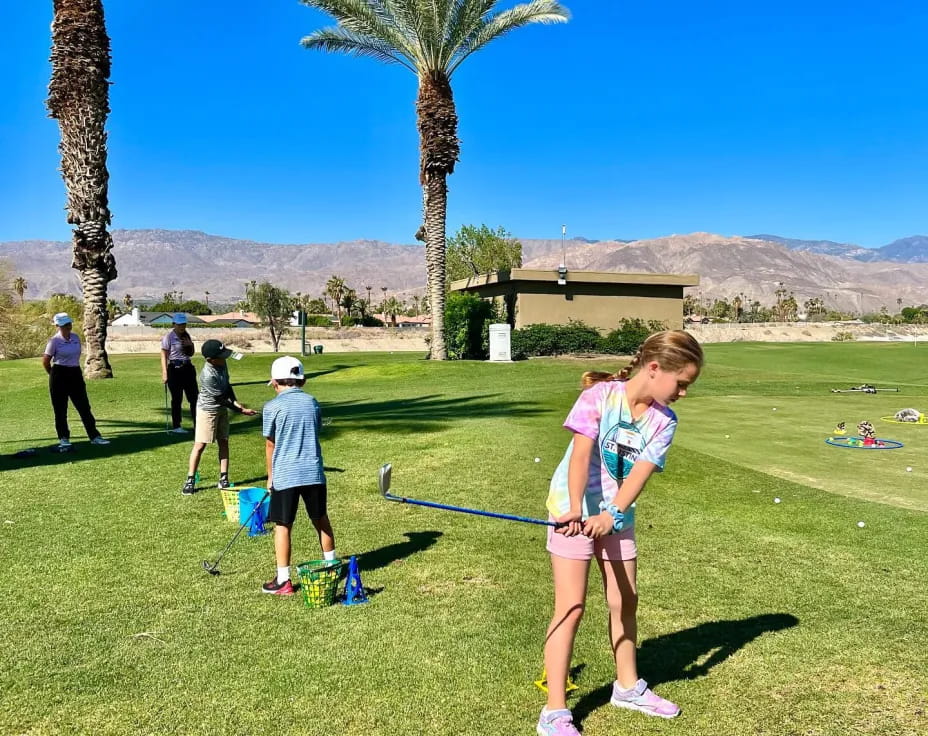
(475, 512)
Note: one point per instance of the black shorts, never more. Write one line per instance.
(284, 503)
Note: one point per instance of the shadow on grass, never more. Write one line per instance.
(126, 438)
(418, 413)
(690, 653)
(398, 551)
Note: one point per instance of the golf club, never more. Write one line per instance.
(862, 390)
(385, 479)
(212, 568)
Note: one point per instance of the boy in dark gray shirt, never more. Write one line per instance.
(216, 398)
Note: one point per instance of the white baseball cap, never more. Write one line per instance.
(286, 367)
(61, 319)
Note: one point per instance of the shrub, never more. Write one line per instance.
(467, 320)
(545, 339)
(629, 336)
(843, 337)
(318, 320)
(533, 340)
(24, 332)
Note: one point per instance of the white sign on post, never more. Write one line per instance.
(500, 350)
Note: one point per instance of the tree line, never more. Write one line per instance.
(786, 308)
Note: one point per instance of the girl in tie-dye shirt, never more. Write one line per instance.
(622, 428)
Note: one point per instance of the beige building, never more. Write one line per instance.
(595, 298)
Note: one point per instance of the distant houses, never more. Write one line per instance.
(141, 318)
(232, 319)
(423, 320)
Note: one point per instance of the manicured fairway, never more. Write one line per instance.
(758, 618)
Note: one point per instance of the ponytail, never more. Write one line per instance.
(591, 378)
(672, 349)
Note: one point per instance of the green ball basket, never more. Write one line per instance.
(230, 504)
(319, 581)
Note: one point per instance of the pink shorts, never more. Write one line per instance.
(619, 546)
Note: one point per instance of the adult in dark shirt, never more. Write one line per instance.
(177, 371)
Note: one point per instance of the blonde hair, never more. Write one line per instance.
(672, 349)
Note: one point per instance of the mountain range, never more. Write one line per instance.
(153, 262)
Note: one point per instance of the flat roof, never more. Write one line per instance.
(575, 277)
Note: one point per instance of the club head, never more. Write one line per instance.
(385, 473)
(211, 569)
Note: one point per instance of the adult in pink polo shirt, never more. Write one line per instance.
(66, 382)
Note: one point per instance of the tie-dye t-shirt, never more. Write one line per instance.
(602, 413)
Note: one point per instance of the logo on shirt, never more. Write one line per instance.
(619, 449)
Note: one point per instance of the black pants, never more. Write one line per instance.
(182, 379)
(65, 382)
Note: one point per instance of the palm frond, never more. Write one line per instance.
(466, 17)
(430, 39)
(341, 40)
(493, 27)
(412, 24)
(370, 18)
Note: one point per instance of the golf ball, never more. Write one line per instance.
(774, 408)
(776, 500)
(861, 524)
(537, 459)
(908, 469)
(727, 436)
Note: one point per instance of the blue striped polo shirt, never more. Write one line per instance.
(292, 420)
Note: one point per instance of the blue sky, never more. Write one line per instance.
(634, 120)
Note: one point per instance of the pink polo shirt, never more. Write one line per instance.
(64, 352)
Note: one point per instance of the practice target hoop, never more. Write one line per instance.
(846, 443)
(923, 419)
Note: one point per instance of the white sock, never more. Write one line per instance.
(283, 574)
(329, 555)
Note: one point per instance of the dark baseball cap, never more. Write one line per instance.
(215, 349)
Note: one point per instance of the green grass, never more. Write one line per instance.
(758, 618)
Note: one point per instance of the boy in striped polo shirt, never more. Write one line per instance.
(294, 466)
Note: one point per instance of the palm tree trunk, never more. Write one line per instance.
(78, 98)
(435, 207)
(439, 147)
(93, 286)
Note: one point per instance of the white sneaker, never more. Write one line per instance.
(178, 430)
(64, 443)
(99, 441)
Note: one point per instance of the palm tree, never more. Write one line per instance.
(20, 285)
(349, 298)
(391, 308)
(78, 98)
(335, 288)
(430, 39)
(127, 301)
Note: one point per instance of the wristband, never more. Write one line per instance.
(618, 518)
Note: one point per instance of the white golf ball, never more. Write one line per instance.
(537, 459)
(727, 436)
(908, 469)
(774, 408)
(861, 524)
(776, 500)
